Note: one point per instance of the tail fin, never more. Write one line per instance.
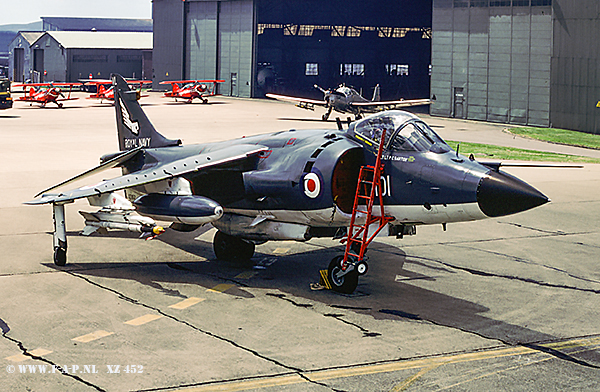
(377, 94)
(134, 128)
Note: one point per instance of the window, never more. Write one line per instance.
(396, 69)
(90, 58)
(129, 58)
(500, 3)
(352, 70)
(540, 2)
(520, 3)
(312, 69)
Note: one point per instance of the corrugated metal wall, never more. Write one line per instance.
(491, 63)
(236, 39)
(201, 40)
(576, 65)
(169, 41)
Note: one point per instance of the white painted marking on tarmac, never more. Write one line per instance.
(143, 319)
(246, 275)
(92, 336)
(186, 303)
(38, 352)
(220, 288)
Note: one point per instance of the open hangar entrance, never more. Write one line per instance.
(300, 43)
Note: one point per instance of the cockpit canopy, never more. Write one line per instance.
(346, 91)
(404, 132)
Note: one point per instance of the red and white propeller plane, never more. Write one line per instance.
(190, 89)
(44, 93)
(105, 90)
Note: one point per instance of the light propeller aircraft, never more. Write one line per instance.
(289, 185)
(347, 100)
(189, 90)
(105, 90)
(45, 93)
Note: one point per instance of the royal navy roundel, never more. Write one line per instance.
(312, 185)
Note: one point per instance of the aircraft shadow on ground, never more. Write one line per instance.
(385, 292)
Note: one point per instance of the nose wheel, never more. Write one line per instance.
(342, 281)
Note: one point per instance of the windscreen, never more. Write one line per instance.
(404, 132)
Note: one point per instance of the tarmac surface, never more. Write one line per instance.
(508, 304)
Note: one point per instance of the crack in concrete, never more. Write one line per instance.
(5, 329)
(292, 369)
(524, 261)
(510, 277)
(546, 235)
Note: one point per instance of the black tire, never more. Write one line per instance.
(60, 257)
(347, 283)
(230, 248)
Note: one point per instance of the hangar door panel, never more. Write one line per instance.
(201, 40)
(236, 27)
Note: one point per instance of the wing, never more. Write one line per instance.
(160, 172)
(298, 100)
(209, 81)
(176, 81)
(67, 99)
(388, 105)
(114, 162)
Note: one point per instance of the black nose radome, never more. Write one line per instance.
(501, 194)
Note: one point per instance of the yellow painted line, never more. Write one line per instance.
(409, 381)
(186, 303)
(251, 384)
(220, 288)
(281, 251)
(425, 364)
(143, 319)
(38, 352)
(246, 275)
(92, 336)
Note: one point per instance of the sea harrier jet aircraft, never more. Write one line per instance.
(389, 170)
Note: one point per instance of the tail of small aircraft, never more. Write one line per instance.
(377, 94)
(134, 128)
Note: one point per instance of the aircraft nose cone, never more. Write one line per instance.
(500, 194)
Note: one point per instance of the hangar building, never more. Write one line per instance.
(68, 56)
(533, 62)
(27, 62)
(260, 46)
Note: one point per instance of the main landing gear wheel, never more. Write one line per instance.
(345, 284)
(230, 248)
(60, 257)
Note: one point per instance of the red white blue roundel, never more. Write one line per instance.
(312, 185)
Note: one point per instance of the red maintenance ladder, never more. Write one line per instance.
(367, 189)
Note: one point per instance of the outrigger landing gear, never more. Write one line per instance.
(230, 248)
(326, 115)
(59, 235)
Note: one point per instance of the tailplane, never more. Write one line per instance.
(133, 126)
(377, 94)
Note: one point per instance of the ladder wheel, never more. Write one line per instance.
(347, 283)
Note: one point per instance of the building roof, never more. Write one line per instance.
(98, 24)
(102, 39)
(31, 36)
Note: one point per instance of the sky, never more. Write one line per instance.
(27, 11)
